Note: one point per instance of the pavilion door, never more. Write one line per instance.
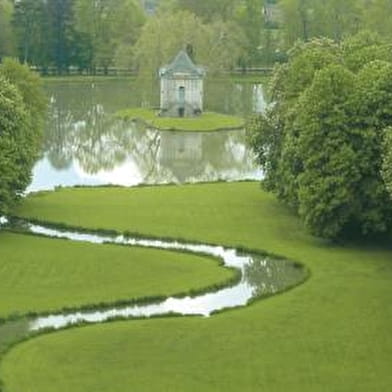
(181, 101)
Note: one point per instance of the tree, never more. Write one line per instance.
(111, 26)
(337, 19)
(296, 16)
(321, 143)
(30, 22)
(31, 89)
(306, 19)
(251, 19)
(60, 29)
(364, 47)
(21, 113)
(6, 37)
(15, 162)
(373, 114)
(326, 183)
(216, 46)
(206, 10)
(387, 160)
(378, 17)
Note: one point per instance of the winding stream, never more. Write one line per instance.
(260, 276)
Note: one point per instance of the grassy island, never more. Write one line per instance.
(333, 333)
(207, 122)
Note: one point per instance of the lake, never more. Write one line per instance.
(85, 145)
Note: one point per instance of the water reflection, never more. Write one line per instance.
(103, 150)
(86, 145)
(260, 276)
(267, 277)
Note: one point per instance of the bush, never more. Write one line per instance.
(22, 108)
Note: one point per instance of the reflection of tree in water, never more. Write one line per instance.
(80, 132)
(68, 140)
(241, 99)
(57, 136)
(100, 142)
(268, 276)
(98, 146)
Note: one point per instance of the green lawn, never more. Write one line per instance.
(208, 121)
(332, 333)
(39, 274)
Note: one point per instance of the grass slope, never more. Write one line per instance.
(208, 121)
(39, 274)
(331, 334)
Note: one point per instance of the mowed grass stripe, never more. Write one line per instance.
(40, 274)
(332, 333)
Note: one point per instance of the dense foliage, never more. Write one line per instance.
(321, 143)
(216, 44)
(87, 34)
(22, 107)
(387, 160)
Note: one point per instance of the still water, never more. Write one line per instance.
(260, 276)
(86, 145)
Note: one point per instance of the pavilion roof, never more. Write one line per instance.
(182, 64)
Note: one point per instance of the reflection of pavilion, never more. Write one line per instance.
(182, 154)
(100, 150)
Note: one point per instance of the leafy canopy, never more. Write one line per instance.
(321, 143)
(217, 45)
(22, 107)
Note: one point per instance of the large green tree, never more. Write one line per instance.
(387, 160)
(378, 16)
(61, 33)
(250, 18)
(110, 26)
(321, 143)
(22, 107)
(207, 10)
(215, 45)
(31, 27)
(6, 37)
(30, 86)
(306, 19)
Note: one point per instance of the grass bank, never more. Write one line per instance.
(331, 334)
(207, 122)
(41, 275)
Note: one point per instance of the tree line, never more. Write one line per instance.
(326, 142)
(88, 34)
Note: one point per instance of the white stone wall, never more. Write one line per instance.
(170, 93)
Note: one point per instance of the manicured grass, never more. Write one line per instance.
(208, 121)
(39, 274)
(331, 334)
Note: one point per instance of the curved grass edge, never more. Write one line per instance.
(58, 188)
(63, 226)
(123, 302)
(207, 122)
